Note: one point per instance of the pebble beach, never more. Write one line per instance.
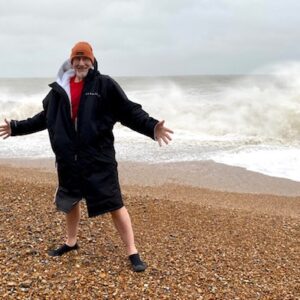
(206, 231)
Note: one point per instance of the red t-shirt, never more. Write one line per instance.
(75, 90)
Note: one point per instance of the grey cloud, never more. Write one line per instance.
(143, 37)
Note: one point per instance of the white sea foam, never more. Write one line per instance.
(279, 162)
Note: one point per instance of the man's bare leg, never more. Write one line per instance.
(122, 223)
(72, 224)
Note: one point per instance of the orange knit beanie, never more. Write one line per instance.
(82, 49)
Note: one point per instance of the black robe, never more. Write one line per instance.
(84, 151)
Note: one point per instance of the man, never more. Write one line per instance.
(79, 112)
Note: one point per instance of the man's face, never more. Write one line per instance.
(81, 65)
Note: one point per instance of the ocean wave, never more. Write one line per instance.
(261, 109)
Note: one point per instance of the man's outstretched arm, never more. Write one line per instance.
(31, 125)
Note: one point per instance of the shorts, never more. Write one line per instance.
(99, 186)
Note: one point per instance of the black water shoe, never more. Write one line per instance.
(62, 250)
(137, 264)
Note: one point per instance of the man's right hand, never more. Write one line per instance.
(5, 130)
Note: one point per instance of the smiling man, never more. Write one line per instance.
(80, 112)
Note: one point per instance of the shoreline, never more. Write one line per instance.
(206, 184)
(201, 174)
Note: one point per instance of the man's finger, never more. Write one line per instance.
(6, 137)
(5, 120)
(168, 137)
(165, 140)
(3, 133)
(161, 123)
(159, 141)
(168, 130)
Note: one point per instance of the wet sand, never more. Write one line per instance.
(206, 230)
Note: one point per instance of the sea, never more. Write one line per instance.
(251, 121)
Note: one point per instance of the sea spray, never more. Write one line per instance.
(249, 121)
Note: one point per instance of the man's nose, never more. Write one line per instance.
(81, 60)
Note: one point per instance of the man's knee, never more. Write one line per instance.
(119, 212)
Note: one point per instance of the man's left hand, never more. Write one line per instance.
(161, 133)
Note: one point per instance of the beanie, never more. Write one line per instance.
(82, 49)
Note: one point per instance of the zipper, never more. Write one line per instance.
(75, 124)
(75, 127)
(78, 114)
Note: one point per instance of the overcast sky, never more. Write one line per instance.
(148, 37)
